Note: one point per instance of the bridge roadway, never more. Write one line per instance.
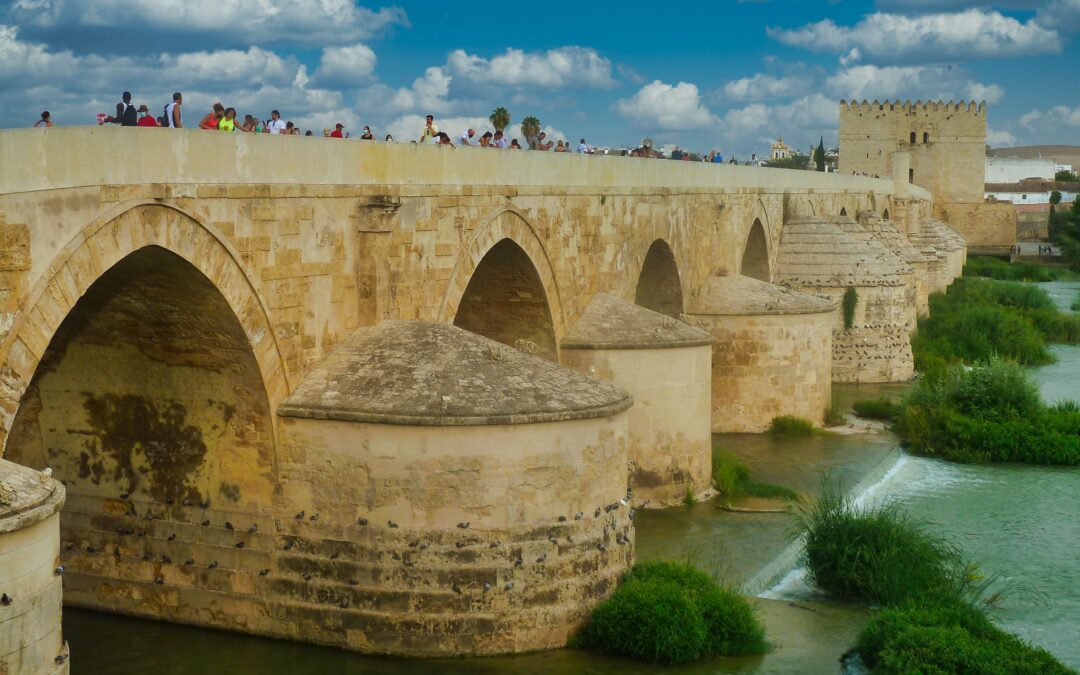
(164, 293)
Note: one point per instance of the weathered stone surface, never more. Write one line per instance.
(664, 363)
(735, 294)
(415, 372)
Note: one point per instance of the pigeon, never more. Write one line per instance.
(205, 504)
(172, 537)
(91, 549)
(186, 502)
(189, 561)
(149, 515)
(391, 524)
(456, 588)
(169, 501)
(212, 565)
(553, 540)
(519, 562)
(463, 526)
(579, 515)
(69, 545)
(362, 522)
(288, 546)
(509, 586)
(116, 551)
(354, 582)
(228, 525)
(487, 586)
(60, 658)
(239, 544)
(142, 532)
(334, 555)
(494, 544)
(264, 572)
(166, 559)
(253, 529)
(124, 495)
(343, 603)
(205, 522)
(601, 546)
(562, 519)
(423, 547)
(314, 517)
(307, 576)
(300, 516)
(59, 570)
(541, 559)
(570, 539)
(5, 600)
(597, 514)
(146, 556)
(158, 580)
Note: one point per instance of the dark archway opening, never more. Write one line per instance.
(755, 259)
(926, 137)
(505, 301)
(885, 214)
(913, 138)
(147, 404)
(843, 211)
(658, 286)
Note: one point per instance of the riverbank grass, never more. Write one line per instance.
(876, 409)
(732, 481)
(930, 622)
(996, 268)
(988, 413)
(789, 425)
(672, 613)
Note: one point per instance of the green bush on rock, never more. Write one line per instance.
(672, 613)
(789, 425)
(875, 408)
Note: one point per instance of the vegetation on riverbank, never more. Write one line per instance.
(672, 613)
(981, 318)
(732, 481)
(996, 268)
(931, 621)
(876, 408)
(988, 413)
(789, 425)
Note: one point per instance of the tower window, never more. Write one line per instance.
(911, 175)
(925, 137)
(913, 138)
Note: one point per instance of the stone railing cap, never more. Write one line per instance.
(609, 322)
(432, 374)
(26, 496)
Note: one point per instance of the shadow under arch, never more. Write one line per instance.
(755, 257)
(659, 287)
(503, 287)
(885, 214)
(127, 228)
(843, 211)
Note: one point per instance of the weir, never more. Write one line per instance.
(409, 392)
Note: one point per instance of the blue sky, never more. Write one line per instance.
(727, 75)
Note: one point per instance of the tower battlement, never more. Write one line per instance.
(918, 106)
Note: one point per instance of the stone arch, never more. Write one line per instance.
(659, 286)
(503, 287)
(843, 211)
(120, 232)
(755, 257)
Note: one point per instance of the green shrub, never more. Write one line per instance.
(879, 555)
(672, 613)
(689, 499)
(732, 480)
(834, 417)
(1075, 306)
(850, 302)
(995, 268)
(875, 408)
(979, 318)
(789, 425)
(988, 413)
(948, 637)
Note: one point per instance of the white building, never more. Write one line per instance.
(1014, 170)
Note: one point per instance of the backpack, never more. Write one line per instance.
(166, 118)
(130, 118)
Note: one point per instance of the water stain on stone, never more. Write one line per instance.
(126, 425)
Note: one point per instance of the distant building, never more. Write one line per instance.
(780, 150)
(938, 146)
(1015, 169)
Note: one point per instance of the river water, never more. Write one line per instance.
(1019, 522)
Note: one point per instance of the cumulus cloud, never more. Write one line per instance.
(409, 127)
(926, 38)
(218, 22)
(553, 69)
(1060, 14)
(806, 118)
(659, 105)
(1045, 121)
(428, 92)
(999, 138)
(910, 82)
(347, 66)
(762, 87)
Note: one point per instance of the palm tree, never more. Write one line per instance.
(530, 127)
(500, 118)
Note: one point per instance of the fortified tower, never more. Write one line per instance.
(939, 146)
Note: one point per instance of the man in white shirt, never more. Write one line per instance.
(582, 148)
(467, 136)
(276, 124)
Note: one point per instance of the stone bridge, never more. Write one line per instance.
(254, 363)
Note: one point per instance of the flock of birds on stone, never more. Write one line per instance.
(150, 515)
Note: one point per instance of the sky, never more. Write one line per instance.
(724, 75)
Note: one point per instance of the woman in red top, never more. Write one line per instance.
(213, 118)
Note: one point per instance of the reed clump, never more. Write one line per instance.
(995, 268)
(876, 409)
(790, 425)
(732, 480)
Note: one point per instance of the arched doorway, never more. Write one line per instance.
(149, 404)
(843, 211)
(885, 214)
(505, 301)
(658, 286)
(755, 258)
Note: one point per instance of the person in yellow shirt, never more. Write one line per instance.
(430, 130)
(228, 123)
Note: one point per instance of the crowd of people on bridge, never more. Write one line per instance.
(222, 118)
